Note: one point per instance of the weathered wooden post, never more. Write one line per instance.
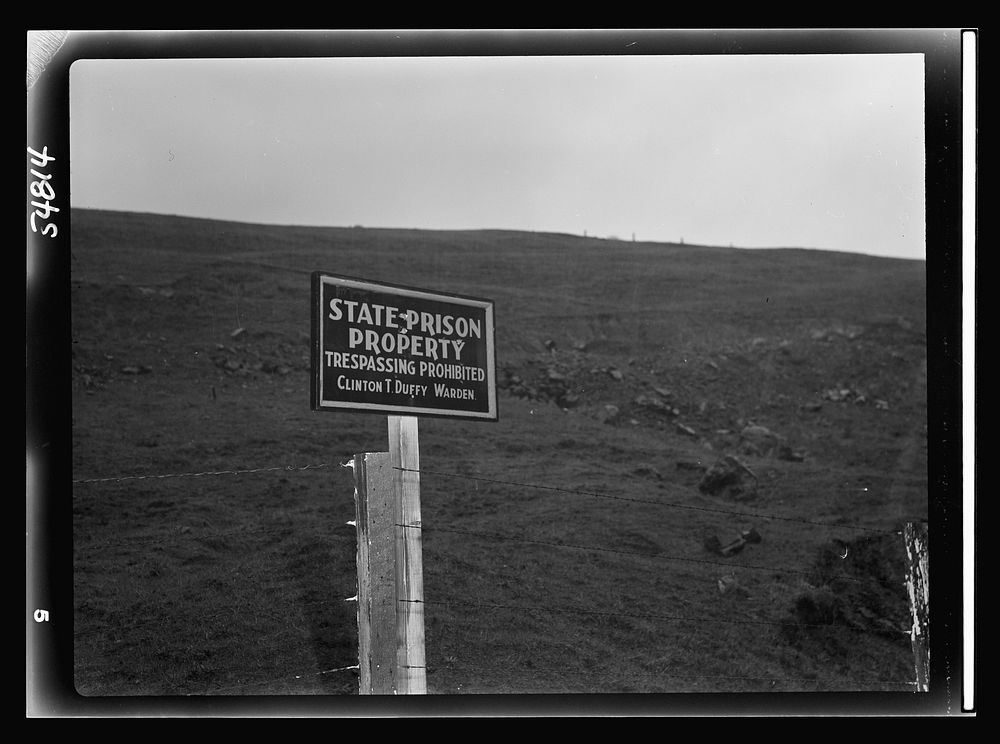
(390, 565)
(918, 587)
(404, 459)
(374, 523)
(381, 348)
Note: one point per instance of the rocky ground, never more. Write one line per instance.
(739, 410)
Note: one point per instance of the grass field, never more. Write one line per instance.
(627, 371)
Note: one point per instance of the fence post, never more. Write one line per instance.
(404, 456)
(918, 587)
(374, 522)
(390, 566)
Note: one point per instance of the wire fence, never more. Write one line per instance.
(84, 546)
(162, 476)
(276, 680)
(561, 489)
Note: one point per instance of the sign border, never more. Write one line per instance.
(318, 279)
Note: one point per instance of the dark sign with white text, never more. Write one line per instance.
(390, 349)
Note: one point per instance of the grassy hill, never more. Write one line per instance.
(569, 547)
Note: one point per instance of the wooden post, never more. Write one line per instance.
(390, 566)
(918, 586)
(375, 524)
(404, 457)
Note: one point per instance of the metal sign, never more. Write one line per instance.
(389, 349)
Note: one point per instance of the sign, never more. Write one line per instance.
(384, 348)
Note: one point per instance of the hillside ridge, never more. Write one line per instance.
(503, 233)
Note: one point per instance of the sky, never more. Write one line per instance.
(807, 151)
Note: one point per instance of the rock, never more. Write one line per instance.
(135, 369)
(555, 385)
(712, 364)
(647, 401)
(757, 432)
(736, 546)
(568, 401)
(812, 407)
(849, 331)
(648, 471)
(730, 585)
(689, 465)
(712, 544)
(663, 392)
(238, 333)
(747, 537)
(881, 405)
(729, 478)
(787, 453)
(758, 440)
(838, 394)
(609, 414)
(616, 374)
(687, 430)
(519, 390)
(550, 344)
(580, 345)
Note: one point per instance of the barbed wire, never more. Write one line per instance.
(158, 621)
(286, 678)
(674, 675)
(291, 468)
(672, 504)
(789, 623)
(171, 538)
(185, 534)
(498, 481)
(496, 605)
(637, 615)
(190, 535)
(644, 554)
(120, 478)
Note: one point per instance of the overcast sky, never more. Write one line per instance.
(812, 151)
